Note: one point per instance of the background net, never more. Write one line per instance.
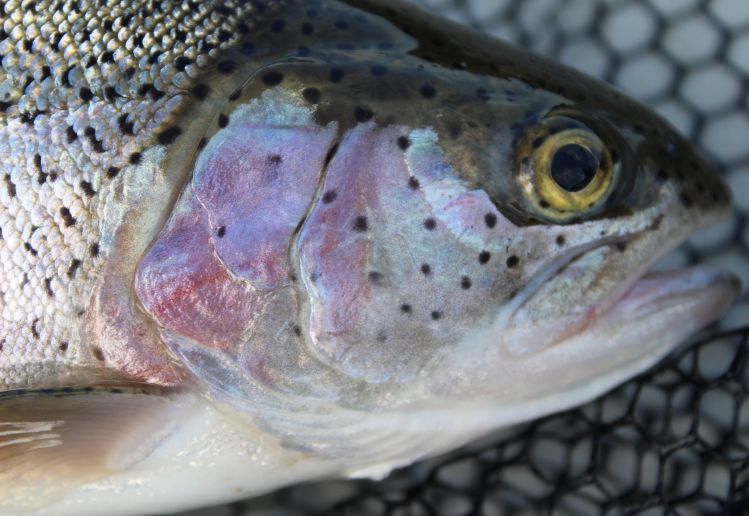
(676, 439)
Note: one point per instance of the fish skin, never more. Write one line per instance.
(353, 334)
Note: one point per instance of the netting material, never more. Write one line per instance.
(677, 438)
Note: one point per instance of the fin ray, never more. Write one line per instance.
(52, 441)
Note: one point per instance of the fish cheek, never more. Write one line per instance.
(396, 259)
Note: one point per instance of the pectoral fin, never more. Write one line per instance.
(52, 441)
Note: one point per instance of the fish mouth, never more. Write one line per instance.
(624, 290)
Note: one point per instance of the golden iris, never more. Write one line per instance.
(564, 169)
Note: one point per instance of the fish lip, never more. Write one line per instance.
(659, 287)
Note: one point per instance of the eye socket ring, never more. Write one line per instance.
(565, 170)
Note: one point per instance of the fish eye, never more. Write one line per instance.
(565, 169)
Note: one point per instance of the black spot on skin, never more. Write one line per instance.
(275, 159)
(329, 196)
(490, 220)
(85, 94)
(484, 257)
(98, 354)
(381, 336)
(621, 246)
(278, 26)
(686, 200)
(538, 142)
(38, 161)
(512, 261)
(126, 126)
(226, 67)
(181, 63)
(135, 158)
(10, 186)
(87, 188)
(297, 331)
(308, 29)
(544, 204)
(30, 249)
(200, 91)
(336, 75)
(112, 172)
(363, 114)
(413, 183)
(403, 142)
(94, 250)
(67, 218)
(169, 135)
(273, 78)
(406, 308)
(430, 224)
(223, 120)
(73, 268)
(221, 231)
(436, 315)
(63, 347)
(560, 240)
(378, 70)
(34, 331)
(71, 134)
(311, 95)
(427, 91)
(48, 287)
(375, 278)
(465, 283)
(426, 269)
(235, 94)
(360, 224)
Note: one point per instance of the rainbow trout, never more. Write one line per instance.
(249, 243)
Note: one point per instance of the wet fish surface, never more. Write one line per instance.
(246, 244)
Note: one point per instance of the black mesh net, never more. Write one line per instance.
(676, 439)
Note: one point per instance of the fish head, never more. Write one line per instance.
(589, 195)
(372, 235)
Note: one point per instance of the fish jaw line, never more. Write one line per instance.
(518, 340)
(506, 315)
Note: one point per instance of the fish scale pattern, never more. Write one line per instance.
(83, 90)
(676, 439)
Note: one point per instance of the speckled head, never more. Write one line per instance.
(412, 217)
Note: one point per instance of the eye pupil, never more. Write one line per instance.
(573, 167)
